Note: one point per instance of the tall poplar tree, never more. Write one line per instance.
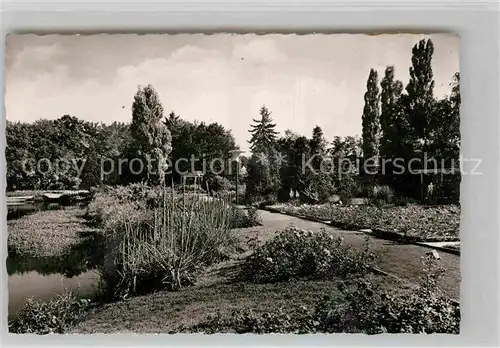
(420, 90)
(371, 117)
(390, 105)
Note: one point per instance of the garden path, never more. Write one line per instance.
(402, 260)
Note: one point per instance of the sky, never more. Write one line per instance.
(304, 80)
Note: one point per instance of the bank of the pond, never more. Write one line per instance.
(51, 251)
(48, 233)
(44, 287)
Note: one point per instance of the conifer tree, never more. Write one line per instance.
(263, 174)
(318, 147)
(263, 138)
(318, 183)
(152, 139)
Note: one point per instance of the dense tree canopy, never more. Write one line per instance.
(208, 144)
(68, 152)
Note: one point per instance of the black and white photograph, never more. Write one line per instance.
(234, 183)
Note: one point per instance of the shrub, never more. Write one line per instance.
(110, 208)
(363, 307)
(381, 195)
(348, 187)
(318, 190)
(241, 218)
(254, 216)
(247, 321)
(53, 316)
(296, 253)
(371, 310)
(218, 183)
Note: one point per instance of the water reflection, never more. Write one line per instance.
(44, 277)
(83, 257)
(35, 285)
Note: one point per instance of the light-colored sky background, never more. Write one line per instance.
(304, 80)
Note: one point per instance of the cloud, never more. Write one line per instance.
(259, 50)
(206, 78)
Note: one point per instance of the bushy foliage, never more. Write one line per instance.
(53, 316)
(201, 140)
(364, 306)
(371, 310)
(262, 180)
(296, 253)
(347, 189)
(379, 195)
(217, 183)
(245, 218)
(299, 321)
(66, 139)
(112, 204)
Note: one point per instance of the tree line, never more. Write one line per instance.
(397, 123)
(69, 153)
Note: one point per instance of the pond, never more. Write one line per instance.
(45, 277)
(16, 211)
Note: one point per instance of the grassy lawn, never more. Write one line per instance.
(218, 291)
(423, 223)
(47, 233)
(164, 311)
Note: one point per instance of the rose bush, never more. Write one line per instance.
(297, 253)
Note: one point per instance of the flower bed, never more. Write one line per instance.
(413, 222)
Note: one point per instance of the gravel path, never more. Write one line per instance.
(403, 260)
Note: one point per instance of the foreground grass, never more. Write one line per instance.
(49, 233)
(424, 223)
(219, 291)
(164, 311)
